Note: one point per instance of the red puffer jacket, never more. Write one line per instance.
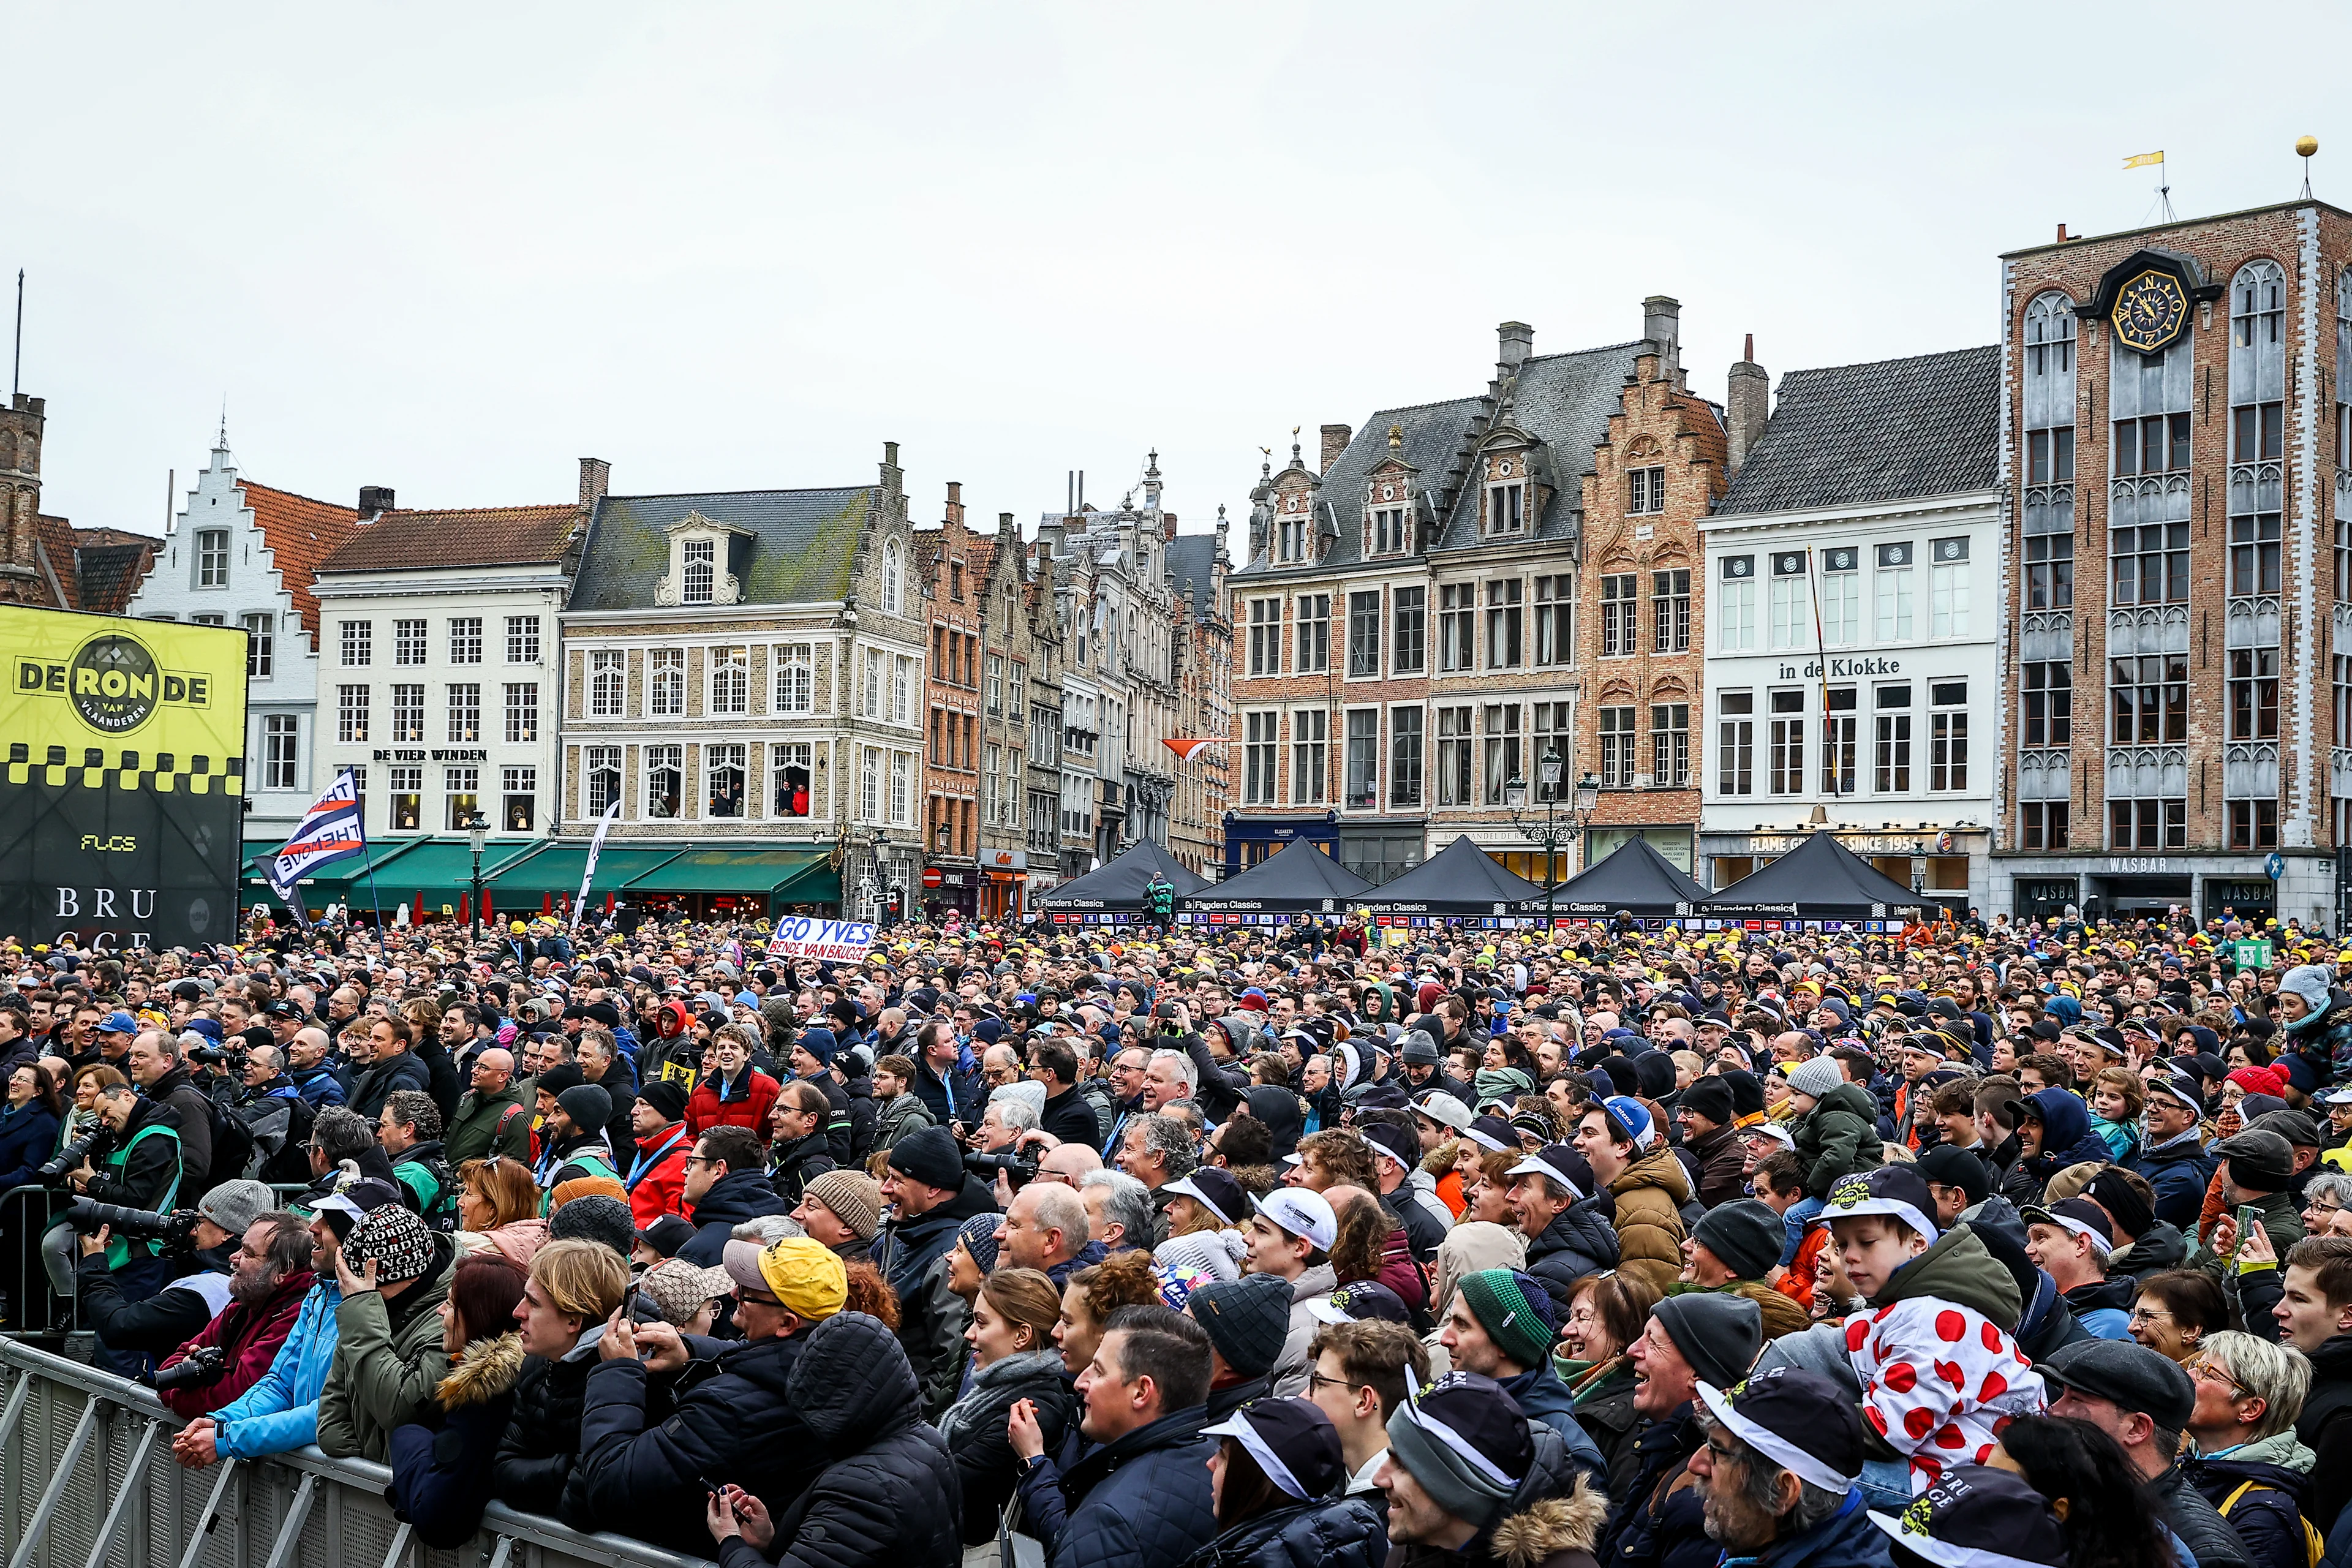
(658, 1183)
(755, 1092)
(250, 1335)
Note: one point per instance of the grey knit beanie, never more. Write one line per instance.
(1816, 1076)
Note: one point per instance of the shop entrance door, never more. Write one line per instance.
(2247, 898)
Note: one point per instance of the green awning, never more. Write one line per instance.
(733, 870)
(340, 874)
(818, 884)
(556, 870)
(441, 868)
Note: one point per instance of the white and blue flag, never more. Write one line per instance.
(330, 831)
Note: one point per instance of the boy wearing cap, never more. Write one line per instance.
(1290, 1237)
(1633, 1161)
(1936, 1359)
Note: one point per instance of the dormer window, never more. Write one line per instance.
(698, 572)
(1291, 530)
(1645, 490)
(1506, 508)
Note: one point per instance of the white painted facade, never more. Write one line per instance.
(216, 568)
(1881, 617)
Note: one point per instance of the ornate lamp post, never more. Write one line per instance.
(1551, 833)
(478, 827)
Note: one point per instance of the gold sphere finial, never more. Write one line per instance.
(2305, 146)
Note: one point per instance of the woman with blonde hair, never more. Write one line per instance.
(498, 1209)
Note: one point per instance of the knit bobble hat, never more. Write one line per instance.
(979, 1237)
(1246, 1319)
(1513, 1310)
(855, 1198)
(398, 1242)
(1815, 1077)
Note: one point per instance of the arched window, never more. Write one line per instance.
(700, 556)
(2049, 547)
(2257, 426)
(891, 595)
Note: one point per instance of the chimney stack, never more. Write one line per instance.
(1513, 341)
(1335, 441)
(596, 479)
(955, 502)
(1662, 324)
(1746, 405)
(375, 501)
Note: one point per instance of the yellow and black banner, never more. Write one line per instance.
(122, 798)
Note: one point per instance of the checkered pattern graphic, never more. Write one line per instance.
(161, 773)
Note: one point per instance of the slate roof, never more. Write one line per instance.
(300, 533)
(1893, 430)
(1194, 557)
(112, 573)
(796, 545)
(468, 536)
(1564, 401)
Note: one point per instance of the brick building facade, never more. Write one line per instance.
(2177, 637)
(946, 560)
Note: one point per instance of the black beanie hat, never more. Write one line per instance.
(558, 1078)
(667, 1098)
(1655, 1071)
(1710, 1098)
(928, 1154)
(1747, 1092)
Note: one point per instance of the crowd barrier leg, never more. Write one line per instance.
(38, 1524)
(134, 1476)
(200, 1537)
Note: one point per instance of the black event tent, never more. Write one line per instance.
(1300, 879)
(1117, 887)
(1635, 879)
(1459, 880)
(1821, 880)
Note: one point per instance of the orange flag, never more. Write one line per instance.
(1186, 747)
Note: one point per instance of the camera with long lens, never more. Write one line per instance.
(217, 1056)
(1018, 1164)
(176, 1228)
(89, 1149)
(200, 1368)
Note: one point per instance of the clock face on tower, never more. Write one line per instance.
(2151, 312)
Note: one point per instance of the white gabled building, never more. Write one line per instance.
(1854, 574)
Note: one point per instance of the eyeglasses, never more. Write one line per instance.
(1316, 1380)
(702, 1160)
(2204, 1370)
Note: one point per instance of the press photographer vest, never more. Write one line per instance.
(117, 1247)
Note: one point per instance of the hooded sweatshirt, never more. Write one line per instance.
(1939, 1368)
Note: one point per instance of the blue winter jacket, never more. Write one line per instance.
(2180, 1170)
(1541, 1396)
(1142, 1501)
(2066, 1135)
(1845, 1540)
(281, 1413)
(28, 1136)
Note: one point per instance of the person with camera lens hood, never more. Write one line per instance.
(192, 1244)
(270, 1274)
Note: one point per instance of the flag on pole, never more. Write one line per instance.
(588, 872)
(2144, 159)
(330, 831)
(1185, 748)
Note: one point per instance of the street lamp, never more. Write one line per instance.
(1552, 833)
(478, 827)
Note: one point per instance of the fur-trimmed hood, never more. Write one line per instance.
(481, 1372)
(1550, 1526)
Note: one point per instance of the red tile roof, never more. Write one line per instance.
(300, 533)
(53, 545)
(471, 536)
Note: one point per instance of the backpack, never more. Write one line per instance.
(441, 1215)
(290, 1166)
(232, 1147)
(2315, 1545)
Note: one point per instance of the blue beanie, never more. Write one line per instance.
(819, 1043)
(978, 1234)
(988, 1031)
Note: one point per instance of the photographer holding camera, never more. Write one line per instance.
(190, 1245)
(270, 1274)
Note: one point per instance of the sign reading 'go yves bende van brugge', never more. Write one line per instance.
(121, 799)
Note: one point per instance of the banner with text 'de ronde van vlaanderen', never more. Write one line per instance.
(122, 795)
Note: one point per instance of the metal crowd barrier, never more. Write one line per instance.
(87, 1480)
(25, 1215)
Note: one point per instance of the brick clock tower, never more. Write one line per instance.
(2177, 633)
(20, 503)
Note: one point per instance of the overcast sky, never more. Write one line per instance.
(452, 249)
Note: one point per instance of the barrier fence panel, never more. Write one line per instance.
(87, 1480)
(25, 1215)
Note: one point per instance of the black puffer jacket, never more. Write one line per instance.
(647, 1441)
(441, 1466)
(1581, 1239)
(537, 1468)
(889, 1497)
(793, 1166)
(1347, 1532)
(974, 1430)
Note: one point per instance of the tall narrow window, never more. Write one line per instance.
(1617, 741)
(522, 711)
(1405, 740)
(1891, 770)
(665, 780)
(359, 644)
(212, 558)
(1258, 754)
(1553, 736)
(2048, 689)
(522, 639)
(1619, 615)
(607, 683)
(1310, 735)
(604, 766)
(465, 712)
(1670, 611)
(1788, 742)
(894, 573)
(407, 798)
(699, 579)
(351, 713)
(995, 666)
(1645, 490)
(2151, 399)
(1838, 742)
(1364, 634)
(1503, 760)
(1505, 510)
(408, 711)
(1841, 595)
(1454, 744)
(1947, 735)
(731, 679)
(1793, 607)
(260, 644)
(1503, 623)
(1390, 536)
(1555, 614)
(462, 789)
(2253, 694)
(1669, 745)
(518, 798)
(2042, 824)
(1312, 653)
(1291, 530)
(1947, 587)
(1892, 592)
(2257, 426)
(1735, 607)
(1457, 625)
(465, 639)
(408, 642)
(2148, 698)
(1409, 609)
(1735, 743)
(1362, 789)
(797, 678)
(722, 772)
(1265, 636)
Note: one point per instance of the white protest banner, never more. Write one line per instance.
(829, 942)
